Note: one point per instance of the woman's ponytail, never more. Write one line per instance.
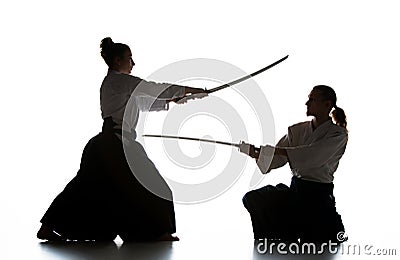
(339, 116)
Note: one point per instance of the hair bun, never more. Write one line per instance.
(106, 43)
(110, 50)
(106, 46)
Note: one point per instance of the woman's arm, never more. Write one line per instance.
(191, 91)
(280, 151)
(271, 157)
(161, 91)
(267, 156)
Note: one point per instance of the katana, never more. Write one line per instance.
(192, 139)
(201, 95)
(247, 76)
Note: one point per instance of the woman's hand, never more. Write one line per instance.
(189, 90)
(254, 152)
(191, 93)
(249, 149)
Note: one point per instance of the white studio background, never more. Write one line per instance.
(52, 71)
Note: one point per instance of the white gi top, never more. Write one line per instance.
(312, 154)
(117, 88)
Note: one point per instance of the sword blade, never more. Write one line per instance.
(247, 76)
(192, 139)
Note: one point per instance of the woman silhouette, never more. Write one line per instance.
(105, 199)
(305, 210)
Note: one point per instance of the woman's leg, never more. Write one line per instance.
(82, 210)
(140, 215)
(271, 209)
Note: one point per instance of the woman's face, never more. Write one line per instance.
(125, 63)
(316, 105)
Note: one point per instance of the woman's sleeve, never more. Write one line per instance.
(268, 161)
(279, 160)
(161, 91)
(318, 153)
(147, 103)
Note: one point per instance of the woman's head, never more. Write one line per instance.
(117, 56)
(322, 100)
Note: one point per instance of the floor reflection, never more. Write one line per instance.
(109, 250)
(158, 250)
(79, 250)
